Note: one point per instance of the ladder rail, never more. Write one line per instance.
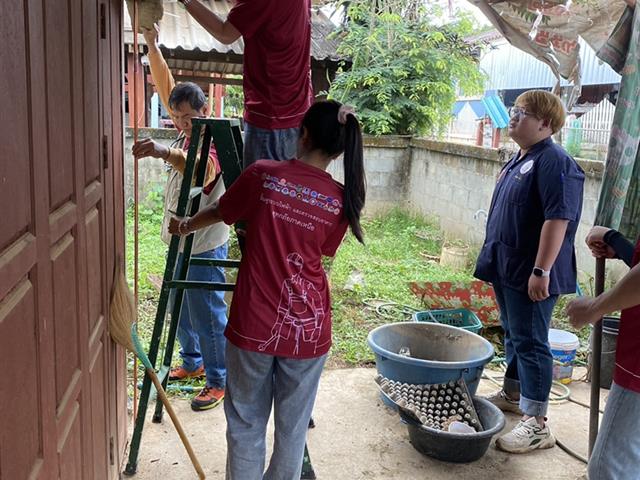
(193, 204)
(154, 345)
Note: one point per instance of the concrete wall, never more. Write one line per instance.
(452, 182)
(388, 165)
(455, 182)
(152, 172)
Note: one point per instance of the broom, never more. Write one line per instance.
(123, 332)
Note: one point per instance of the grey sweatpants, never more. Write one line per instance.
(255, 381)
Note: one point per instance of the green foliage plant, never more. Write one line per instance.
(408, 67)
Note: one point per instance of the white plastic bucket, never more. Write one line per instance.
(563, 348)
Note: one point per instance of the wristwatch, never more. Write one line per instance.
(540, 272)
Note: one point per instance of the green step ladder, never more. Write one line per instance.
(228, 141)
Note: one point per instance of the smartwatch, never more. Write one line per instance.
(539, 272)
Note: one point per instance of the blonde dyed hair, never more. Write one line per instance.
(545, 106)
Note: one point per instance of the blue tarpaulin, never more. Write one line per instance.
(496, 110)
(490, 105)
(476, 106)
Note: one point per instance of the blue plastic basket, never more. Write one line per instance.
(458, 317)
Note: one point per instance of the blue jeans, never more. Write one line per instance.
(263, 144)
(203, 318)
(257, 380)
(616, 454)
(526, 343)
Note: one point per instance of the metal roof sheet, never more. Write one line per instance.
(180, 33)
(508, 67)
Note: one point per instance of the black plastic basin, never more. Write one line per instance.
(457, 447)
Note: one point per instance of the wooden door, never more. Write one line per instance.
(62, 395)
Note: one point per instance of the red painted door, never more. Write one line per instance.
(62, 389)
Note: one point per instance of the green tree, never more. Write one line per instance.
(407, 66)
(233, 101)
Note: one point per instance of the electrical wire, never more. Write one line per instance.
(560, 397)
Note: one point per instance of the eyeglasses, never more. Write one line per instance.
(519, 112)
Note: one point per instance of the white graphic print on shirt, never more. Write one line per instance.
(300, 311)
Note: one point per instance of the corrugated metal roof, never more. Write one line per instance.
(181, 34)
(508, 67)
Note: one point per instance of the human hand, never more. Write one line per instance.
(595, 242)
(149, 148)
(581, 312)
(151, 35)
(179, 226)
(538, 288)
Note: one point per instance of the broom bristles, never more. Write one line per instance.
(123, 311)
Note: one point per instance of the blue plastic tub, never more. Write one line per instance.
(437, 353)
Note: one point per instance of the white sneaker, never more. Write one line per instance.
(504, 403)
(527, 436)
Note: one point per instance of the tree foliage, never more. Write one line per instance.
(233, 101)
(407, 66)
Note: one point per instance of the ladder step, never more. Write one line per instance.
(214, 262)
(186, 285)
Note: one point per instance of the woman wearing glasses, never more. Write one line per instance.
(528, 255)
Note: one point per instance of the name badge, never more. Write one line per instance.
(526, 167)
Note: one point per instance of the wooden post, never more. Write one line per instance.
(219, 93)
(212, 99)
(496, 138)
(596, 352)
(480, 132)
(139, 96)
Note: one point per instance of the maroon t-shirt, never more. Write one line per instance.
(294, 216)
(277, 60)
(627, 371)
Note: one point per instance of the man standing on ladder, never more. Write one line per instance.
(203, 316)
(276, 77)
(277, 70)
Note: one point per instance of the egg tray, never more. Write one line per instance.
(432, 405)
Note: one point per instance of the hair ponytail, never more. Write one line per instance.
(354, 177)
(333, 136)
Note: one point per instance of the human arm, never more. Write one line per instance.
(625, 294)
(221, 29)
(176, 157)
(204, 218)
(551, 238)
(160, 72)
(148, 147)
(609, 243)
(237, 203)
(560, 183)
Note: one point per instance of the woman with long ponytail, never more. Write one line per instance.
(354, 178)
(279, 330)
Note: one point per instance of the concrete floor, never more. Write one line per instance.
(357, 437)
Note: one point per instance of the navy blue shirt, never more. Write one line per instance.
(545, 184)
